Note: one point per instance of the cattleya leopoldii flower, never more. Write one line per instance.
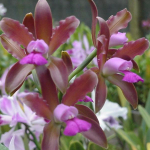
(77, 118)
(33, 42)
(112, 63)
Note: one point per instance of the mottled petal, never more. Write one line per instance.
(80, 87)
(34, 58)
(119, 21)
(65, 29)
(43, 21)
(94, 21)
(37, 104)
(28, 22)
(127, 88)
(87, 112)
(16, 31)
(51, 136)
(59, 73)
(132, 49)
(131, 77)
(12, 47)
(117, 39)
(16, 76)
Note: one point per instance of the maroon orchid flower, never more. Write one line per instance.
(112, 63)
(33, 42)
(74, 117)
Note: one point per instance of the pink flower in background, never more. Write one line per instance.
(3, 10)
(146, 23)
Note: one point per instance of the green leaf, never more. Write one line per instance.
(144, 115)
(131, 139)
(2, 147)
(76, 146)
(93, 146)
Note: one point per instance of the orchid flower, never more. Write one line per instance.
(33, 42)
(114, 61)
(3, 10)
(74, 117)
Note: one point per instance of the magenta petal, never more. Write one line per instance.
(82, 124)
(131, 77)
(34, 58)
(71, 128)
(86, 99)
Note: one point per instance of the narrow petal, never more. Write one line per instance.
(94, 20)
(12, 47)
(128, 89)
(16, 76)
(119, 21)
(51, 137)
(101, 94)
(132, 49)
(95, 134)
(87, 112)
(61, 33)
(28, 22)
(48, 87)
(16, 31)
(34, 58)
(37, 104)
(80, 87)
(59, 73)
(43, 21)
(131, 77)
(67, 60)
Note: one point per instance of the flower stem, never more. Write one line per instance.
(111, 137)
(83, 65)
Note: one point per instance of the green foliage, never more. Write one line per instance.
(76, 146)
(2, 147)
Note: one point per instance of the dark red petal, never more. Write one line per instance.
(95, 134)
(127, 88)
(48, 87)
(16, 31)
(61, 33)
(101, 94)
(59, 73)
(28, 22)
(37, 104)
(132, 49)
(51, 137)
(119, 21)
(67, 60)
(87, 112)
(80, 87)
(94, 20)
(12, 47)
(43, 21)
(16, 76)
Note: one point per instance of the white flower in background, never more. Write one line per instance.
(3, 10)
(109, 114)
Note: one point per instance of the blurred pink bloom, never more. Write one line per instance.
(146, 23)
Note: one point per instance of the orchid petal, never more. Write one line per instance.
(128, 89)
(16, 31)
(28, 22)
(132, 49)
(80, 87)
(119, 21)
(61, 33)
(48, 87)
(34, 58)
(131, 77)
(51, 137)
(95, 134)
(12, 47)
(43, 21)
(86, 99)
(101, 94)
(37, 104)
(59, 73)
(67, 60)
(16, 76)
(117, 39)
(94, 20)
(87, 112)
